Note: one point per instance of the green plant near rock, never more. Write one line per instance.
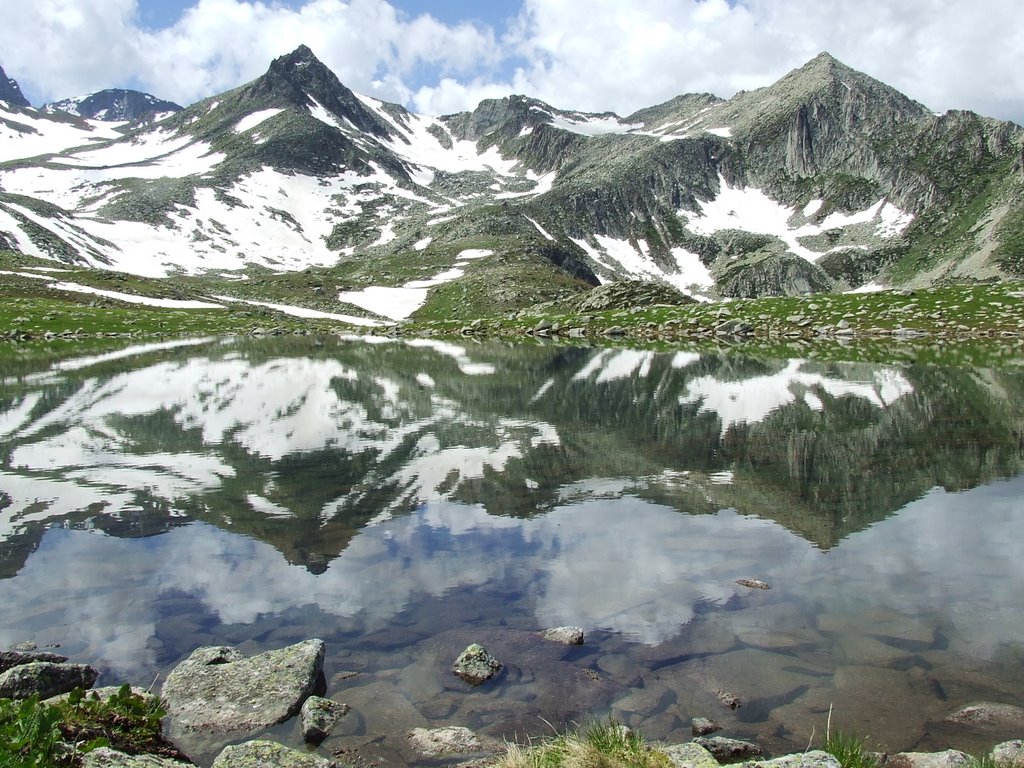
(849, 750)
(40, 733)
(600, 745)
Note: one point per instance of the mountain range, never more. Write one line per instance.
(827, 180)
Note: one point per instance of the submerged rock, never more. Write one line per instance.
(268, 754)
(218, 690)
(988, 715)
(564, 635)
(319, 716)
(45, 678)
(702, 726)
(475, 665)
(728, 750)
(432, 743)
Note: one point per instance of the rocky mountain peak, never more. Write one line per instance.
(300, 77)
(10, 91)
(114, 105)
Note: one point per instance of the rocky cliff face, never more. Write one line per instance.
(10, 91)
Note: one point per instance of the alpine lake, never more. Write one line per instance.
(402, 499)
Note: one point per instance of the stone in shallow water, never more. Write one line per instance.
(475, 665)
(218, 690)
(432, 743)
(702, 726)
(988, 715)
(728, 750)
(319, 716)
(45, 678)
(268, 754)
(564, 635)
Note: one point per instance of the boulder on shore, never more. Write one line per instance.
(9, 659)
(690, 756)
(814, 758)
(988, 715)
(45, 678)
(105, 757)
(432, 743)
(218, 690)
(268, 754)
(729, 750)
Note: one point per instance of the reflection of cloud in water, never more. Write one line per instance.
(625, 565)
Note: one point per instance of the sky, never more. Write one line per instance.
(594, 55)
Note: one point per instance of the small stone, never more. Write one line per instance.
(729, 750)
(754, 583)
(702, 726)
(564, 635)
(475, 665)
(318, 716)
(731, 700)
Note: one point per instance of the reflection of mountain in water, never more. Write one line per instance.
(301, 444)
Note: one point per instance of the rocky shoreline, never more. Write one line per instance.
(217, 700)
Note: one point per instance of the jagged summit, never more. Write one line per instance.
(10, 91)
(114, 105)
(299, 78)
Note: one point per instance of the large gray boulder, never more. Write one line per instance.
(104, 757)
(9, 659)
(812, 759)
(433, 743)
(689, 756)
(217, 690)
(951, 758)
(46, 679)
(1009, 754)
(268, 754)
(475, 665)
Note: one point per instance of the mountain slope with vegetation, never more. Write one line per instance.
(824, 181)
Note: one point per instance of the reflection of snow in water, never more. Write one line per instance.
(751, 400)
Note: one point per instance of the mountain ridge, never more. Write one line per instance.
(825, 180)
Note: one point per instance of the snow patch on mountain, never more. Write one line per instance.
(249, 122)
(28, 132)
(750, 210)
(586, 125)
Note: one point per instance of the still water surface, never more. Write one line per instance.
(402, 500)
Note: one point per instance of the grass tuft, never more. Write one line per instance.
(848, 750)
(600, 745)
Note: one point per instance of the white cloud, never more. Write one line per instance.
(585, 54)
